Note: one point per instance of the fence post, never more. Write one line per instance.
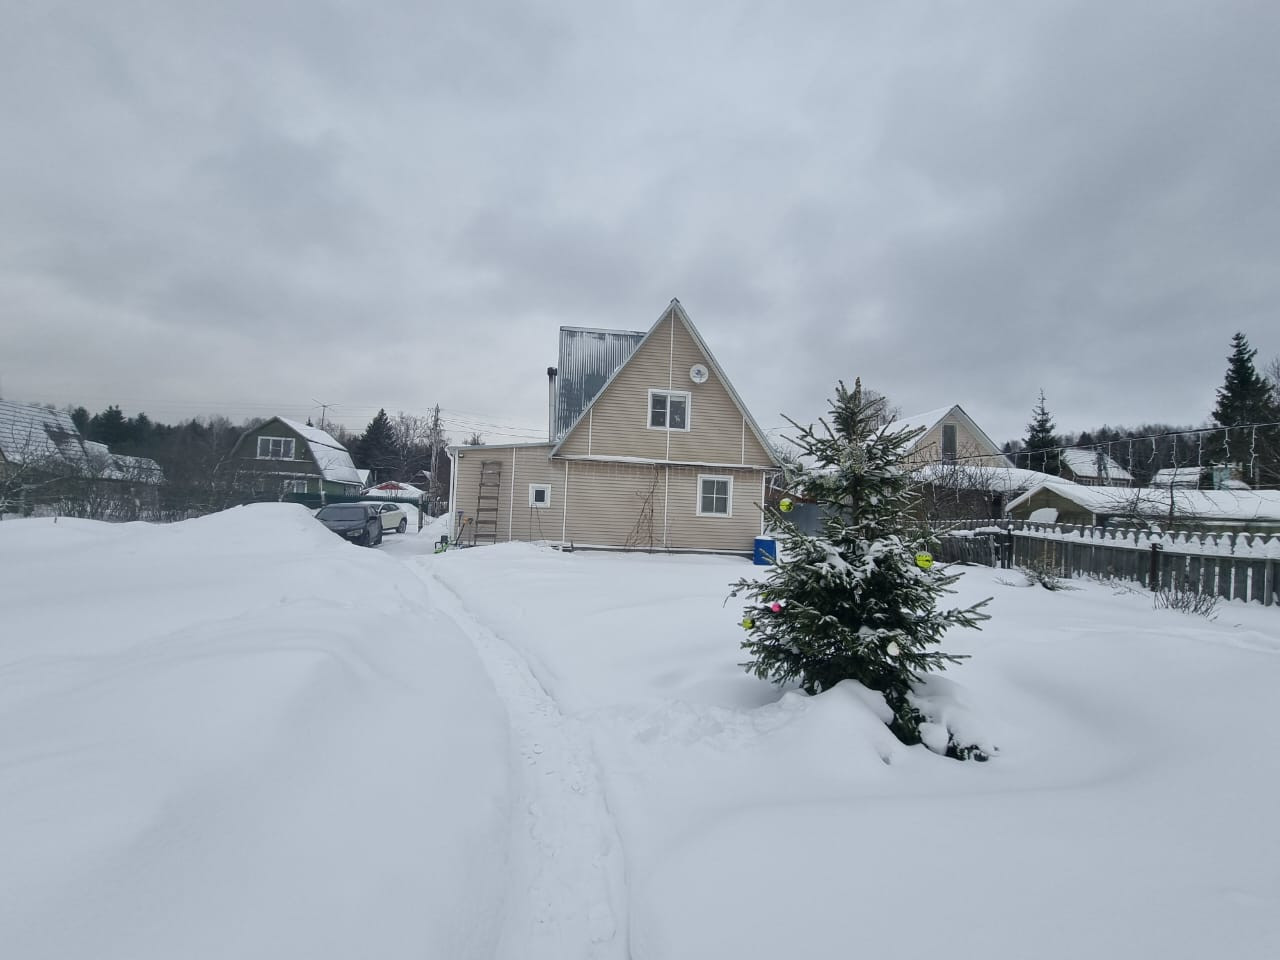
(1269, 583)
(1153, 571)
(1006, 551)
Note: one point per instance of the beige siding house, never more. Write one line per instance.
(950, 436)
(650, 448)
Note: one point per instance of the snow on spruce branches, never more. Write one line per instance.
(856, 601)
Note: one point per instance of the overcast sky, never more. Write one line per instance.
(239, 207)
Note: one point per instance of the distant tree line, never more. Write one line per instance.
(1241, 434)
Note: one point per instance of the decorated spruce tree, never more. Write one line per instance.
(857, 600)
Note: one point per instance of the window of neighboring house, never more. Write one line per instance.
(715, 496)
(295, 486)
(668, 410)
(275, 448)
(949, 442)
(540, 495)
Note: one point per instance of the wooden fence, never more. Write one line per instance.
(1234, 566)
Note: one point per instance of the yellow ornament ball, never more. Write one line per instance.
(747, 623)
(924, 561)
(785, 504)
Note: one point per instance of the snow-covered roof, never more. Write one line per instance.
(104, 464)
(393, 490)
(1240, 505)
(1177, 477)
(972, 476)
(30, 433)
(330, 456)
(1093, 465)
(919, 421)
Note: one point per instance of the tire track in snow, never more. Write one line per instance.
(566, 881)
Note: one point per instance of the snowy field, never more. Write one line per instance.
(242, 737)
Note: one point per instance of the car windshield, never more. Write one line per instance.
(342, 512)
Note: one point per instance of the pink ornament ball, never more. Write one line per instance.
(776, 607)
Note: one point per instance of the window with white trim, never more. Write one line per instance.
(295, 486)
(275, 448)
(715, 496)
(669, 409)
(539, 495)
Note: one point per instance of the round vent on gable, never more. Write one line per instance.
(698, 373)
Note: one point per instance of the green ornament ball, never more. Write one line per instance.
(785, 504)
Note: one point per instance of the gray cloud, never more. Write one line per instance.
(961, 203)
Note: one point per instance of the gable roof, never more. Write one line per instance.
(676, 312)
(331, 457)
(30, 433)
(588, 360)
(931, 418)
(1155, 503)
(1093, 465)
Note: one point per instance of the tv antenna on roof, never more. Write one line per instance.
(324, 409)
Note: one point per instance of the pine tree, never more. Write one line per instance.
(1040, 449)
(377, 446)
(1245, 397)
(858, 600)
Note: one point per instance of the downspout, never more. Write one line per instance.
(552, 373)
(564, 519)
(511, 500)
(453, 494)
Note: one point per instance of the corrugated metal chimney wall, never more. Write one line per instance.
(551, 403)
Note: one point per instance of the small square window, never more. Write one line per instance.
(539, 495)
(715, 496)
(668, 410)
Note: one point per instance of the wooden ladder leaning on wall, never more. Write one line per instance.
(485, 528)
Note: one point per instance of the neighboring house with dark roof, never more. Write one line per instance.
(1092, 468)
(36, 437)
(649, 447)
(1169, 507)
(284, 456)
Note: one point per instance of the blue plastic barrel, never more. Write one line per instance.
(766, 551)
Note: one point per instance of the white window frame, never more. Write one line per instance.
(702, 478)
(688, 410)
(295, 486)
(533, 488)
(286, 444)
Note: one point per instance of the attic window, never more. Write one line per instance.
(275, 448)
(539, 495)
(668, 410)
(949, 442)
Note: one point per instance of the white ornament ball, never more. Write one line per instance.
(893, 649)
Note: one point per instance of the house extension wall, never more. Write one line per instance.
(610, 504)
(617, 424)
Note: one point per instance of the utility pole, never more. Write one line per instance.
(324, 409)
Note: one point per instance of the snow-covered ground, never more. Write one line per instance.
(240, 736)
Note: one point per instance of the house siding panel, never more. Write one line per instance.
(617, 425)
(521, 466)
(970, 449)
